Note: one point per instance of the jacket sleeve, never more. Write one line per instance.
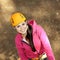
(20, 50)
(46, 44)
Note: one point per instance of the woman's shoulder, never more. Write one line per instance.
(18, 41)
(18, 37)
(39, 27)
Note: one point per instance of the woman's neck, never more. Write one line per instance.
(24, 35)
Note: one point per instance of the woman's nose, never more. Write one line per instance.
(21, 27)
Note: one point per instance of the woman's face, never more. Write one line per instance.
(22, 27)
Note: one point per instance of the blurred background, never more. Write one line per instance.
(45, 12)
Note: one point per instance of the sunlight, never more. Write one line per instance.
(6, 7)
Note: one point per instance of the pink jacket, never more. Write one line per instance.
(40, 40)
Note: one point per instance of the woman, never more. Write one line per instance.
(31, 41)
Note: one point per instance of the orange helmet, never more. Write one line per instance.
(17, 18)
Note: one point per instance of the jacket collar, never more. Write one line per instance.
(33, 24)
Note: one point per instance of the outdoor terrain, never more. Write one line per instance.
(45, 12)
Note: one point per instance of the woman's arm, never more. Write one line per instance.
(21, 53)
(46, 44)
(20, 49)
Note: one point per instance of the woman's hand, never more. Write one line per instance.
(18, 59)
(35, 58)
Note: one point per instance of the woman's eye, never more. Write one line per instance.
(23, 24)
(18, 26)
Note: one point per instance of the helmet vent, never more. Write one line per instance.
(12, 21)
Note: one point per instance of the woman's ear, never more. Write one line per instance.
(14, 28)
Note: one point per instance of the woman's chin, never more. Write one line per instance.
(23, 32)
